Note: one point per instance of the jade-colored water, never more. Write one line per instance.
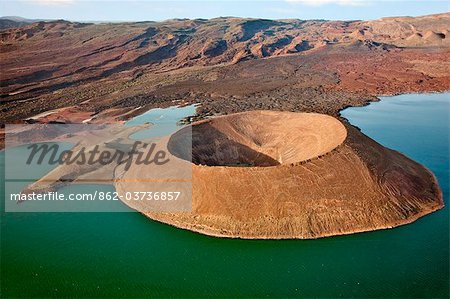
(127, 255)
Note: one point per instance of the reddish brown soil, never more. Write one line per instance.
(114, 71)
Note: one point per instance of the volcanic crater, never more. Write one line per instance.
(302, 175)
(246, 139)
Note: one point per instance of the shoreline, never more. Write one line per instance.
(215, 235)
(210, 230)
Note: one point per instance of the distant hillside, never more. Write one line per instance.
(95, 67)
(14, 22)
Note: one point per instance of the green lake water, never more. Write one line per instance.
(127, 255)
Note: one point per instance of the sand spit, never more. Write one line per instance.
(283, 175)
(85, 138)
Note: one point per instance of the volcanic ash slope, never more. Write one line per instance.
(280, 175)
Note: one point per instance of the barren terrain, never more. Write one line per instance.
(76, 72)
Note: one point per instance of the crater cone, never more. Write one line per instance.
(325, 178)
(259, 138)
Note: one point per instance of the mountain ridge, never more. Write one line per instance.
(120, 67)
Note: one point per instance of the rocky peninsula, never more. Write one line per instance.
(283, 175)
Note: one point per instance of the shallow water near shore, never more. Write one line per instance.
(164, 121)
(128, 255)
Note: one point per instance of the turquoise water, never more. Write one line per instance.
(164, 121)
(127, 255)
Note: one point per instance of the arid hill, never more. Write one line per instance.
(75, 72)
(277, 175)
(14, 22)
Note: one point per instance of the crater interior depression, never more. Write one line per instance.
(247, 139)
